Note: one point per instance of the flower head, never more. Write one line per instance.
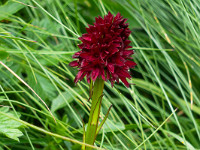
(105, 51)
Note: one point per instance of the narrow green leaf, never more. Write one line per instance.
(186, 143)
(103, 121)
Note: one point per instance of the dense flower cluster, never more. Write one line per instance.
(105, 51)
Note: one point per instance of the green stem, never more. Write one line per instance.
(94, 112)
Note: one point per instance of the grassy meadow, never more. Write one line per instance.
(42, 109)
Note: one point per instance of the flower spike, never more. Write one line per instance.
(105, 51)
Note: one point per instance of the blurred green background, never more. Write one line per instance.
(161, 110)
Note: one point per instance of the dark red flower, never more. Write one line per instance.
(105, 51)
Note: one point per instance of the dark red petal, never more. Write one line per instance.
(88, 56)
(118, 16)
(127, 47)
(113, 50)
(103, 55)
(131, 64)
(82, 76)
(80, 45)
(76, 55)
(95, 74)
(87, 37)
(111, 67)
(78, 76)
(123, 21)
(116, 44)
(119, 61)
(90, 28)
(128, 52)
(84, 63)
(107, 75)
(124, 73)
(108, 18)
(127, 42)
(88, 77)
(103, 74)
(99, 20)
(123, 79)
(73, 63)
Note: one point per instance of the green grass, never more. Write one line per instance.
(160, 111)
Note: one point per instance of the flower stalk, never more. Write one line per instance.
(92, 126)
(104, 55)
